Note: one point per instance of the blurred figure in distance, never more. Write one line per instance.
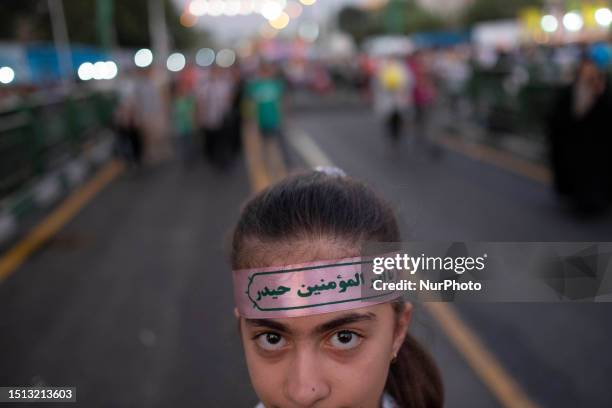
(392, 91)
(580, 142)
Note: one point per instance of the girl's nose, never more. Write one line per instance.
(305, 384)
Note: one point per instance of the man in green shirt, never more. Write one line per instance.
(266, 91)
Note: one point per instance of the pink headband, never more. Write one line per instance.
(304, 289)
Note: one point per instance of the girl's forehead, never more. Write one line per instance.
(319, 323)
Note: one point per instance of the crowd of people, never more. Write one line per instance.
(574, 124)
(206, 108)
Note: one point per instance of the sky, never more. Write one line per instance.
(228, 29)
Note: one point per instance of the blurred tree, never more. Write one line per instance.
(419, 19)
(483, 10)
(24, 20)
(397, 17)
(28, 20)
(356, 22)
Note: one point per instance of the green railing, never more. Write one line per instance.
(523, 111)
(38, 137)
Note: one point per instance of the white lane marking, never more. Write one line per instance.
(308, 149)
(482, 361)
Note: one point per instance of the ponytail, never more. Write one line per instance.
(414, 380)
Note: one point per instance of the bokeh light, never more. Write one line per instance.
(85, 71)
(143, 58)
(216, 7)
(176, 62)
(7, 75)
(198, 7)
(281, 21)
(549, 23)
(205, 57)
(271, 10)
(226, 58)
(603, 16)
(573, 21)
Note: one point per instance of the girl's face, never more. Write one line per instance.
(338, 359)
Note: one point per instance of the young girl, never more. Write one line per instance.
(308, 339)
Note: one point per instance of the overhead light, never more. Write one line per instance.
(216, 8)
(573, 21)
(226, 58)
(85, 71)
(271, 10)
(143, 58)
(176, 62)
(549, 23)
(281, 21)
(198, 7)
(110, 70)
(603, 16)
(99, 71)
(7, 75)
(232, 7)
(205, 57)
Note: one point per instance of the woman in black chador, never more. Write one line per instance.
(581, 140)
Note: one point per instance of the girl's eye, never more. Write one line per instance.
(270, 341)
(345, 340)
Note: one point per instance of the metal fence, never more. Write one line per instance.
(504, 107)
(38, 137)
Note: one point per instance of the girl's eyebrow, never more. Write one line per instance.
(269, 323)
(322, 328)
(344, 320)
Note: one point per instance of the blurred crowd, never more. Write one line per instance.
(206, 108)
(406, 91)
(558, 96)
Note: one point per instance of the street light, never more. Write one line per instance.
(232, 7)
(99, 70)
(7, 75)
(271, 10)
(175, 62)
(143, 58)
(226, 58)
(110, 70)
(85, 71)
(216, 7)
(549, 23)
(572, 21)
(281, 21)
(198, 7)
(205, 57)
(603, 16)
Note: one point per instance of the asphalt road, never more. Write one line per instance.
(558, 353)
(131, 302)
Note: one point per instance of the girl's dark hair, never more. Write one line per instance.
(318, 204)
